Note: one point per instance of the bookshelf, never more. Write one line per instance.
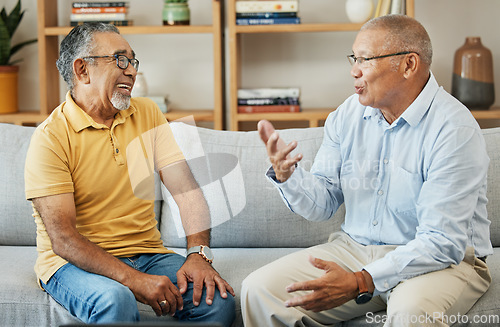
(49, 34)
(312, 116)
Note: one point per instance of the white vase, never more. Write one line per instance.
(359, 11)
(140, 88)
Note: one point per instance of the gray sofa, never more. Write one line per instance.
(252, 226)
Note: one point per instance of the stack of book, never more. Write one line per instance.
(267, 12)
(161, 101)
(268, 100)
(111, 12)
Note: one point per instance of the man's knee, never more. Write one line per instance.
(117, 303)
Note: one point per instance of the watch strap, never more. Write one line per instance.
(361, 282)
(194, 249)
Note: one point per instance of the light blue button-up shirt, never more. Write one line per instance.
(419, 183)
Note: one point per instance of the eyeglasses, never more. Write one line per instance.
(121, 60)
(360, 60)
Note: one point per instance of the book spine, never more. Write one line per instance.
(396, 6)
(270, 108)
(267, 6)
(268, 101)
(87, 4)
(99, 10)
(266, 14)
(291, 92)
(98, 17)
(113, 22)
(267, 21)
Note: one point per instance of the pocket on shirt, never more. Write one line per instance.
(404, 190)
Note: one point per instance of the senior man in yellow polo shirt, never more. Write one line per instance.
(88, 174)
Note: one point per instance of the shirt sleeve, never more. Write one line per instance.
(46, 168)
(454, 177)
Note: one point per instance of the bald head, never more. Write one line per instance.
(404, 34)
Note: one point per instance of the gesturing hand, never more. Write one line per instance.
(278, 151)
(201, 273)
(334, 288)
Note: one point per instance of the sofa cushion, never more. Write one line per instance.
(17, 226)
(492, 138)
(246, 209)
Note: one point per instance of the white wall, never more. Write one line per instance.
(181, 65)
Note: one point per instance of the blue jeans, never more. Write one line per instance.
(97, 299)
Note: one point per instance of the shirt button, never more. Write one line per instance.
(375, 222)
(380, 192)
(386, 284)
(386, 161)
(117, 150)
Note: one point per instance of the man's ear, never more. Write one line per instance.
(81, 71)
(412, 63)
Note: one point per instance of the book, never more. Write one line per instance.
(266, 14)
(378, 8)
(266, 6)
(113, 22)
(397, 6)
(268, 101)
(99, 10)
(98, 17)
(268, 21)
(385, 7)
(86, 4)
(270, 92)
(268, 108)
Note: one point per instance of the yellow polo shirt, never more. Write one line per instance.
(109, 171)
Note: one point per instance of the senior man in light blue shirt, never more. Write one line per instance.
(409, 162)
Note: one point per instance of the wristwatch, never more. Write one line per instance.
(364, 296)
(202, 250)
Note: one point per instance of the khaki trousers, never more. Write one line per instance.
(432, 299)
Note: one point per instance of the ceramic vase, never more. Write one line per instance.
(176, 13)
(472, 81)
(359, 11)
(8, 89)
(140, 88)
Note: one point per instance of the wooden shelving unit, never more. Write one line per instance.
(314, 116)
(48, 52)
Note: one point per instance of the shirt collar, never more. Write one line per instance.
(416, 111)
(79, 119)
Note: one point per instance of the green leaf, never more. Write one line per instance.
(4, 44)
(18, 46)
(8, 25)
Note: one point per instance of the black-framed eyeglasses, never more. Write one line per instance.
(360, 60)
(121, 60)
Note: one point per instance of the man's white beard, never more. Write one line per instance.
(120, 101)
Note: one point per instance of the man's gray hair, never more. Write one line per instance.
(78, 44)
(404, 34)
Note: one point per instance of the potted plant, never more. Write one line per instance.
(176, 12)
(8, 69)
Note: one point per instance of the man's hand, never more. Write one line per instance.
(278, 151)
(334, 288)
(158, 292)
(201, 273)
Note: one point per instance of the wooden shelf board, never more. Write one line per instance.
(294, 28)
(492, 113)
(21, 118)
(306, 114)
(199, 115)
(178, 29)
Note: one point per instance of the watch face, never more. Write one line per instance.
(208, 253)
(363, 298)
